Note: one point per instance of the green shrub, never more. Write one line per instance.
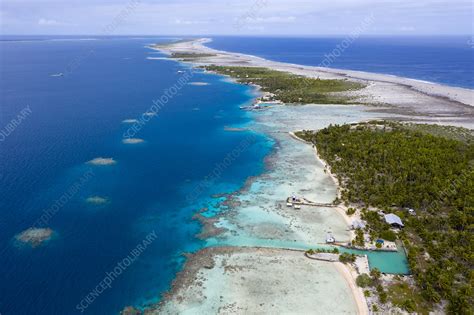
(388, 235)
(409, 305)
(383, 297)
(359, 239)
(379, 288)
(375, 274)
(364, 280)
(347, 258)
(350, 211)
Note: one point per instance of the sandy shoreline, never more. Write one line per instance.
(397, 94)
(350, 275)
(229, 279)
(456, 94)
(341, 209)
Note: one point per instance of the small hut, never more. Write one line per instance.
(358, 224)
(330, 239)
(394, 220)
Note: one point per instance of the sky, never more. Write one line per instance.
(236, 17)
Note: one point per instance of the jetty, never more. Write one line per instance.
(323, 256)
(291, 201)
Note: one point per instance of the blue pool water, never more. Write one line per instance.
(447, 60)
(386, 262)
(77, 117)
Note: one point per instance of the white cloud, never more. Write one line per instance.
(276, 17)
(407, 29)
(273, 19)
(255, 28)
(48, 22)
(189, 22)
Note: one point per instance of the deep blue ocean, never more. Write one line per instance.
(77, 117)
(447, 60)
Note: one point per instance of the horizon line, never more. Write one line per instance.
(249, 35)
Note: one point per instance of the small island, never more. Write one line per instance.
(35, 236)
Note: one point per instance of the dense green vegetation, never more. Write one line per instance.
(347, 258)
(168, 44)
(311, 251)
(408, 298)
(350, 211)
(457, 133)
(359, 238)
(290, 88)
(373, 280)
(364, 280)
(190, 56)
(395, 166)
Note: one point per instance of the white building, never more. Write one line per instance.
(394, 220)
